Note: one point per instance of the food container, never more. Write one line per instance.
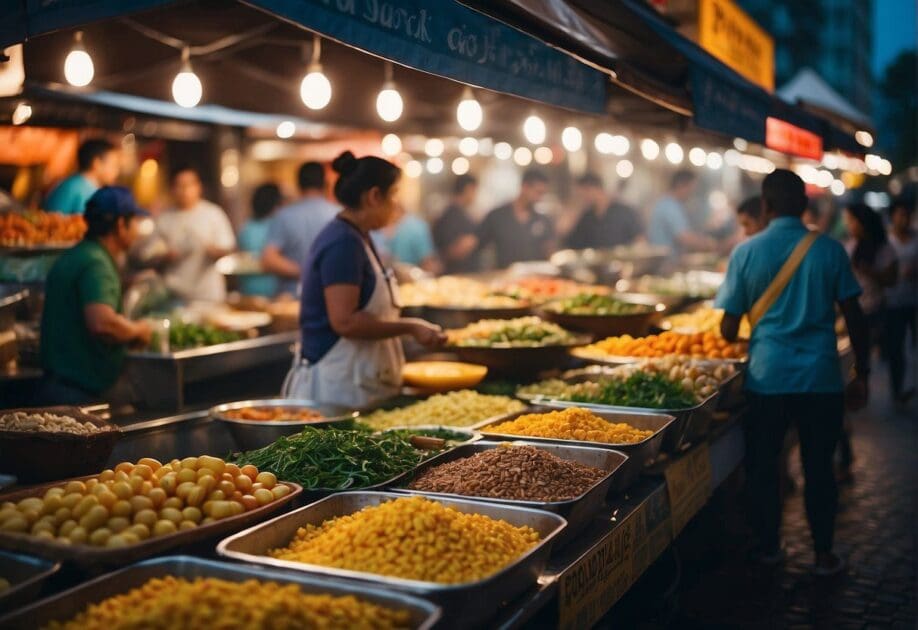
(93, 558)
(459, 317)
(26, 575)
(470, 435)
(518, 359)
(439, 376)
(639, 453)
(602, 326)
(35, 456)
(68, 604)
(462, 603)
(577, 511)
(252, 434)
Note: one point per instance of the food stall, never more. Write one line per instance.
(629, 409)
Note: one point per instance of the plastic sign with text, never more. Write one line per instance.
(728, 33)
(782, 136)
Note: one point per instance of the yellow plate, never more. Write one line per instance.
(442, 375)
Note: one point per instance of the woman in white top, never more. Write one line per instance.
(901, 298)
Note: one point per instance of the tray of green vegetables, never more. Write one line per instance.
(326, 460)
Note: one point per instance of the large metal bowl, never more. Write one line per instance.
(602, 326)
(459, 317)
(518, 360)
(252, 434)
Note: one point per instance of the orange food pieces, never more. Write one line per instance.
(40, 228)
(702, 345)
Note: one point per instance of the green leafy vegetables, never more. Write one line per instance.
(640, 389)
(335, 459)
(595, 304)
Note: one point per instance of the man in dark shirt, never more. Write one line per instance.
(517, 230)
(454, 232)
(604, 222)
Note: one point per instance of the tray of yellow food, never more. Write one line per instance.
(628, 349)
(456, 552)
(442, 375)
(198, 594)
(703, 319)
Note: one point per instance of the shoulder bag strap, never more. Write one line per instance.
(777, 286)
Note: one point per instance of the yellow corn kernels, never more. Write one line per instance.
(572, 424)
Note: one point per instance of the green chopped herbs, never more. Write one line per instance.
(451, 437)
(595, 304)
(335, 459)
(183, 336)
(640, 389)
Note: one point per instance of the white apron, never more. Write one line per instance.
(354, 373)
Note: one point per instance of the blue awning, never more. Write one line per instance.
(446, 39)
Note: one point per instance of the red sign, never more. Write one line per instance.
(787, 138)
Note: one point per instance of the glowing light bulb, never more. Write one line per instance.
(534, 130)
(78, 66)
(619, 145)
(714, 160)
(460, 166)
(649, 149)
(22, 113)
(413, 169)
(286, 129)
(864, 138)
(604, 142)
(503, 151)
(468, 146)
(697, 156)
(837, 187)
(469, 113)
(522, 156)
(391, 144)
(389, 103)
(673, 153)
(315, 89)
(543, 155)
(186, 87)
(571, 139)
(624, 169)
(434, 165)
(434, 147)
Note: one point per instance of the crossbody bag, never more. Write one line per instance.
(780, 281)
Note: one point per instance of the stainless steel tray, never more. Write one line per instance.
(68, 604)
(27, 575)
(464, 604)
(471, 434)
(577, 511)
(639, 453)
(252, 434)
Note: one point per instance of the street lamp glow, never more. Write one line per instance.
(503, 151)
(697, 156)
(186, 87)
(469, 113)
(78, 66)
(285, 129)
(649, 149)
(534, 130)
(434, 165)
(413, 169)
(22, 113)
(884, 167)
(603, 142)
(714, 160)
(460, 166)
(391, 144)
(522, 156)
(837, 187)
(824, 178)
(624, 169)
(434, 147)
(673, 153)
(864, 138)
(571, 139)
(389, 103)
(543, 155)
(468, 146)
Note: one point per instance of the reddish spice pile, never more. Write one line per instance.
(523, 473)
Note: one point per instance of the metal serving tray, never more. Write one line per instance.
(27, 575)
(68, 604)
(639, 453)
(577, 511)
(252, 434)
(465, 605)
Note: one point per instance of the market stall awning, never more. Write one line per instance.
(449, 40)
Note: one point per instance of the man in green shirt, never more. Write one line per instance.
(83, 334)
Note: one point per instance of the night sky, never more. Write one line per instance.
(895, 30)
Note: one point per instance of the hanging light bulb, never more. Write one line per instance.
(503, 151)
(186, 87)
(434, 165)
(674, 153)
(434, 147)
(460, 166)
(624, 169)
(603, 142)
(315, 89)
(534, 130)
(697, 156)
(468, 146)
(649, 149)
(522, 156)
(468, 112)
(619, 145)
(543, 155)
(285, 129)
(78, 68)
(391, 144)
(389, 103)
(413, 168)
(571, 139)
(22, 113)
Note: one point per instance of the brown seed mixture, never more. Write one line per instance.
(522, 473)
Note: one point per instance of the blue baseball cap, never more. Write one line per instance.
(113, 201)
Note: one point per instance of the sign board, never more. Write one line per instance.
(590, 587)
(782, 136)
(653, 531)
(728, 33)
(689, 484)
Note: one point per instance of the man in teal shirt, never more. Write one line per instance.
(98, 164)
(83, 334)
(794, 374)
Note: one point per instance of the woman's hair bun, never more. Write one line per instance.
(345, 163)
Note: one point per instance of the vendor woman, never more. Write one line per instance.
(351, 354)
(83, 334)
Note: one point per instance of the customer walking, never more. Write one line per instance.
(254, 235)
(788, 280)
(454, 231)
(901, 299)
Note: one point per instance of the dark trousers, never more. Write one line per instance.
(899, 321)
(818, 418)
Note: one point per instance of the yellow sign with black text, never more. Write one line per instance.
(728, 33)
(689, 484)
